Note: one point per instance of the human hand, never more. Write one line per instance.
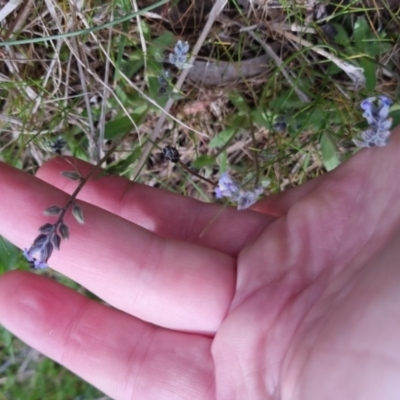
(303, 305)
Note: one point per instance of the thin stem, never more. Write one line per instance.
(196, 174)
(84, 180)
(255, 156)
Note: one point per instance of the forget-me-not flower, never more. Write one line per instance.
(229, 188)
(376, 112)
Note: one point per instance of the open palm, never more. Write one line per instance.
(299, 300)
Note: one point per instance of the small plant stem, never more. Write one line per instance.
(181, 164)
(227, 144)
(255, 155)
(84, 180)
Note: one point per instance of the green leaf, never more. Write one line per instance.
(121, 94)
(329, 152)
(164, 41)
(369, 67)
(362, 33)
(262, 118)
(312, 118)
(133, 65)
(332, 69)
(341, 37)
(145, 29)
(287, 100)
(238, 121)
(121, 47)
(7, 338)
(239, 102)
(136, 60)
(176, 96)
(160, 45)
(9, 256)
(122, 167)
(121, 126)
(203, 161)
(378, 47)
(396, 118)
(223, 161)
(222, 138)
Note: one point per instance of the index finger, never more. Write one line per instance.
(167, 214)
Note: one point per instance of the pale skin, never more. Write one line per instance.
(298, 299)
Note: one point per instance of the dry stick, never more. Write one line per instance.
(216, 10)
(20, 18)
(49, 72)
(9, 8)
(93, 146)
(102, 119)
(16, 25)
(142, 40)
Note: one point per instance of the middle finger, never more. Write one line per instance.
(173, 284)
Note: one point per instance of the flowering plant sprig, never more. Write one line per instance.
(229, 188)
(226, 187)
(376, 112)
(50, 235)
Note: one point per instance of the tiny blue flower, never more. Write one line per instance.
(180, 55)
(376, 112)
(163, 78)
(280, 124)
(36, 258)
(246, 198)
(229, 188)
(181, 47)
(44, 244)
(58, 145)
(386, 101)
(367, 103)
